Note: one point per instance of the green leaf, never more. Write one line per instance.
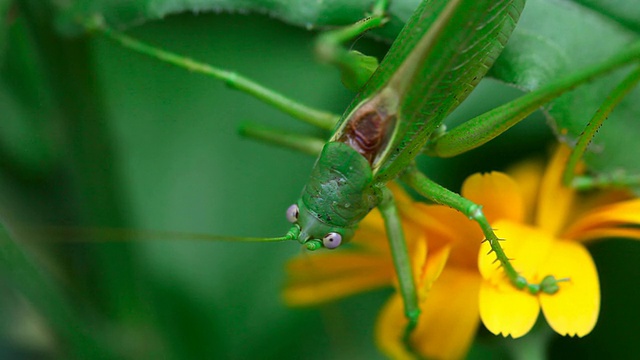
(625, 12)
(5, 6)
(440, 67)
(558, 37)
(554, 37)
(23, 100)
(309, 14)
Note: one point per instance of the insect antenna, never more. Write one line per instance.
(105, 234)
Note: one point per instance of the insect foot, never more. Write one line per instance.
(548, 285)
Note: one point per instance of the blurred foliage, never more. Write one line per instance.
(554, 37)
(96, 136)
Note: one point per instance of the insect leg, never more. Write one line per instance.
(443, 196)
(315, 117)
(570, 178)
(303, 143)
(356, 68)
(401, 261)
(489, 125)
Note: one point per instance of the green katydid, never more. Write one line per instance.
(442, 53)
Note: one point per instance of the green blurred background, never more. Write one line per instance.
(156, 148)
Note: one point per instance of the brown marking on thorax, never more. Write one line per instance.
(368, 130)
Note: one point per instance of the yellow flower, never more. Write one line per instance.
(545, 231)
(544, 225)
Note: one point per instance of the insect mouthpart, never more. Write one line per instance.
(313, 244)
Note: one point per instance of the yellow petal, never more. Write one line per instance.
(434, 219)
(445, 227)
(528, 176)
(593, 200)
(607, 233)
(400, 196)
(432, 270)
(390, 329)
(573, 310)
(450, 316)
(419, 260)
(498, 194)
(311, 267)
(329, 276)
(555, 200)
(426, 269)
(371, 234)
(447, 324)
(309, 294)
(506, 310)
(527, 247)
(621, 213)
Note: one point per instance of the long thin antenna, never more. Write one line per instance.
(97, 234)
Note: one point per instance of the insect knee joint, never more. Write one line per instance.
(413, 315)
(474, 212)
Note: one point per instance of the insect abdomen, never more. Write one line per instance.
(370, 126)
(368, 131)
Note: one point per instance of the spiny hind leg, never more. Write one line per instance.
(443, 196)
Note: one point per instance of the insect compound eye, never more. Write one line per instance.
(332, 240)
(292, 213)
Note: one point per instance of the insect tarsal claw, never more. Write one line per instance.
(475, 212)
(549, 285)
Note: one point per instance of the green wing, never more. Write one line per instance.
(441, 54)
